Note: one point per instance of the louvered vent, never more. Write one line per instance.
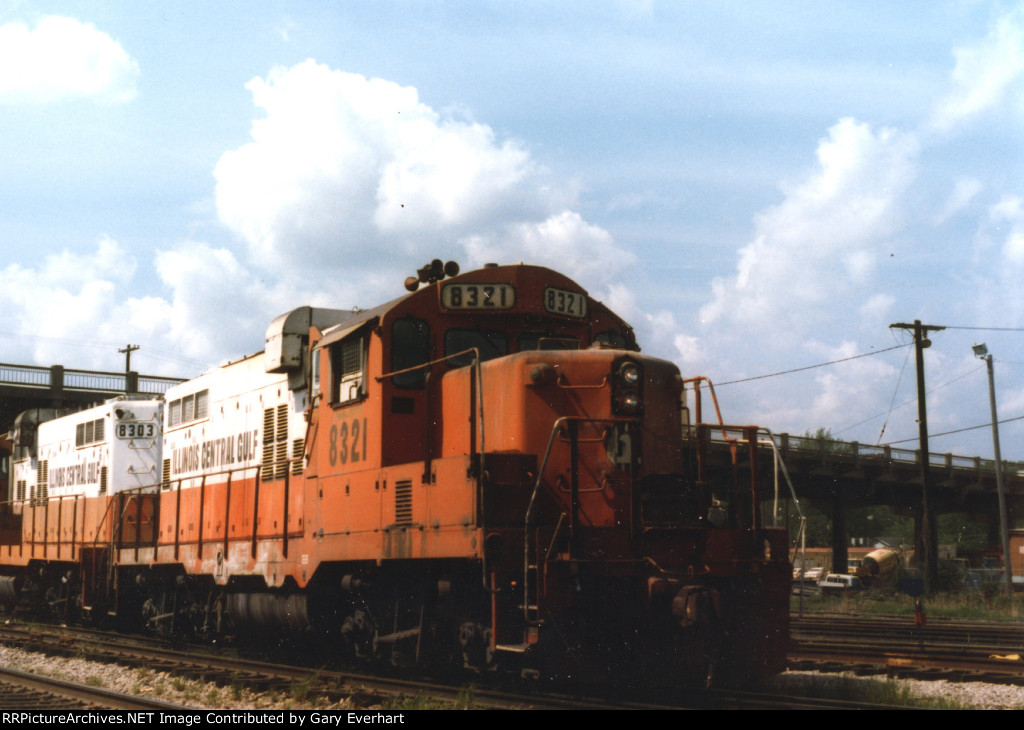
(165, 475)
(281, 465)
(282, 422)
(268, 425)
(403, 502)
(298, 455)
(268, 462)
(275, 443)
(103, 480)
(43, 479)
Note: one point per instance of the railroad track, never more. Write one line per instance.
(23, 691)
(309, 686)
(952, 650)
(359, 691)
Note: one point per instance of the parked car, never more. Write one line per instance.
(812, 575)
(838, 583)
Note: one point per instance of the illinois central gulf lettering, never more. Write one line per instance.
(216, 454)
(75, 474)
(247, 446)
(185, 459)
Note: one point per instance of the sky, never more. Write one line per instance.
(758, 188)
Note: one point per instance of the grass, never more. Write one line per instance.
(300, 689)
(976, 605)
(465, 698)
(415, 702)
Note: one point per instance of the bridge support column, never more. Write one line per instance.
(840, 540)
(56, 386)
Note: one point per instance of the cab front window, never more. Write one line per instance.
(489, 344)
(546, 341)
(410, 346)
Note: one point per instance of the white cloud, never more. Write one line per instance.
(964, 191)
(349, 173)
(215, 307)
(841, 387)
(69, 295)
(656, 332)
(857, 243)
(563, 241)
(1000, 263)
(216, 304)
(63, 58)
(347, 186)
(878, 307)
(984, 73)
(819, 245)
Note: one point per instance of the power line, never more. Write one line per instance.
(959, 430)
(894, 394)
(986, 329)
(909, 401)
(811, 367)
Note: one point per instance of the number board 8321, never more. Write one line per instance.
(478, 296)
(565, 302)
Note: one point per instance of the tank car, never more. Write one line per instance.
(483, 473)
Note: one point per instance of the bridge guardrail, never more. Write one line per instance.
(36, 376)
(852, 452)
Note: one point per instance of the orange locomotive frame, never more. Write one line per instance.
(485, 470)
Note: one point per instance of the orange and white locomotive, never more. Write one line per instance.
(483, 472)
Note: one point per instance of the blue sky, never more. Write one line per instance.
(757, 187)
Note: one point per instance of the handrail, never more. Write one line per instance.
(714, 399)
(563, 383)
(556, 428)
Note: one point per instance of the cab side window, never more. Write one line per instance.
(314, 373)
(348, 370)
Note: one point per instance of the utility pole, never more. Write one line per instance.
(929, 529)
(981, 351)
(128, 350)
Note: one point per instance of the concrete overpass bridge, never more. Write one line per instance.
(839, 475)
(29, 386)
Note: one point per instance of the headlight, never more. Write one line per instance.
(630, 402)
(627, 389)
(630, 373)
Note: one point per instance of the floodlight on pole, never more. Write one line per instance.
(980, 351)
